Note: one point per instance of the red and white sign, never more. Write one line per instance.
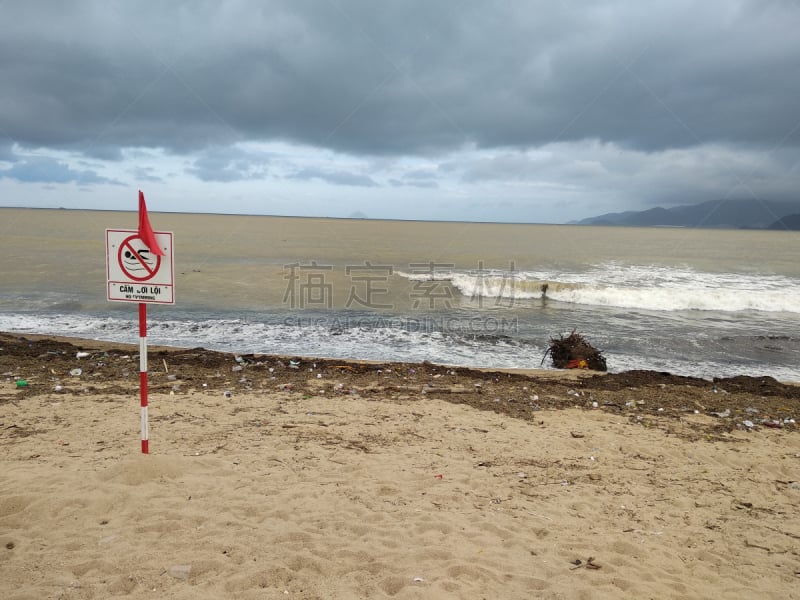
(135, 272)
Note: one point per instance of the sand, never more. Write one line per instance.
(348, 480)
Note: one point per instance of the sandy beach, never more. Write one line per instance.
(273, 477)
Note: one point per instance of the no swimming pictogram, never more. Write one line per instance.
(135, 273)
(136, 260)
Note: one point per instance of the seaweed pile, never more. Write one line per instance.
(574, 352)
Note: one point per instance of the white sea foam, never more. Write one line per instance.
(402, 340)
(399, 339)
(653, 288)
(433, 275)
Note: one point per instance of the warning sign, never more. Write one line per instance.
(135, 273)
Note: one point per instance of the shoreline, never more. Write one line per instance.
(539, 373)
(89, 343)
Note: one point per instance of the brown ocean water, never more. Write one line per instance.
(686, 300)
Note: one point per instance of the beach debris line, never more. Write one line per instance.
(574, 352)
(638, 395)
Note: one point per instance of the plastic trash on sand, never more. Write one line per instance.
(180, 571)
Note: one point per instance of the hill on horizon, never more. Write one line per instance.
(787, 223)
(713, 214)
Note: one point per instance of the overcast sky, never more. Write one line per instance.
(459, 110)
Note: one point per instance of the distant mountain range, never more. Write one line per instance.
(718, 214)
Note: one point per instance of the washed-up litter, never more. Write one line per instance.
(589, 564)
(725, 413)
(82, 355)
(180, 571)
(76, 372)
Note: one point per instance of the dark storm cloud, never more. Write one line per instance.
(41, 169)
(228, 164)
(7, 153)
(335, 177)
(677, 176)
(397, 77)
(420, 178)
(146, 174)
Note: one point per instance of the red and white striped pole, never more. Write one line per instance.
(143, 372)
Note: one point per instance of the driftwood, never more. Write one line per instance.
(574, 352)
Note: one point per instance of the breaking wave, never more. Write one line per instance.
(652, 288)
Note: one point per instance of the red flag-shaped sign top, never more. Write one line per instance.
(145, 230)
